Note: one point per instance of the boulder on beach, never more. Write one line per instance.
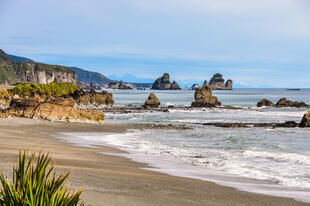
(152, 101)
(204, 97)
(305, 122)
(265, 103)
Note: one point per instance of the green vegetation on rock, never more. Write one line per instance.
(54, 89)
(36, 184)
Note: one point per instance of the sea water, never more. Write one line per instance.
(263, 160)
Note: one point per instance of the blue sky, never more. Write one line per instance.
(257, 43)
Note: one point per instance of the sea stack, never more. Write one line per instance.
(204, 97)
(152, 101)
(163, 83)
(218, 83)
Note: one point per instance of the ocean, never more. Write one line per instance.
(262, 160)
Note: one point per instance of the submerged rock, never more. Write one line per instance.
(265, 103)
(152, 101)
(204, 97)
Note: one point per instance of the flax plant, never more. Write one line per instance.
(36, 184)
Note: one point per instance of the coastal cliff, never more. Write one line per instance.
(12, 72)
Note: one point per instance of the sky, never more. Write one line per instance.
(256, 43)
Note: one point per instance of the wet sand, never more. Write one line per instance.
(113, 180)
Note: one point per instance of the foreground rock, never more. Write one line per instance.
(204, 97)
(265, 103)
(217, 83)
(305, 122)
(287, 103)
(163, 83)
(152, 101)
(52, 111)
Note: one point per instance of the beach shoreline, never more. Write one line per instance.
(113, 179)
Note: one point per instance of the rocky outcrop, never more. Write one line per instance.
(265, 103)
(93, 98)
(174, 86)
(120, 85)
(60, 110)
(287, 103)
(218, 83)
(163, 83)
(305, 122)
(204, 97)
(152, 101)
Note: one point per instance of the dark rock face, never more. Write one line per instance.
(287, 103)
(204, 97)
(265, 103)
(174, 86)
(94, 98)
(305, 122)
(70, 102)
(163, 83)
(152, 101)
(218, 83)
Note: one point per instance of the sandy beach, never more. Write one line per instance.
(113, 180)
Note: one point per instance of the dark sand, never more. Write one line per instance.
(112, 180)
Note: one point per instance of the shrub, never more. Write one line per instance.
(37, 185)
(55, 89)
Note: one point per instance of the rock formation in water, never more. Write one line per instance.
(12, 72)
(120, 85)
(163, 83)
(287, 103)
(265, 103)
(204, 97)
(152, 101)
(217, 83)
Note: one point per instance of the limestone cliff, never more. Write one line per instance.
(12, 72)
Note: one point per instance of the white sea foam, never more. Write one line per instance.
(286, 173)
